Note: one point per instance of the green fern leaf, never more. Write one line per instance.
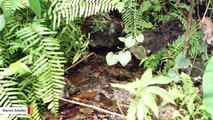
(71, 9)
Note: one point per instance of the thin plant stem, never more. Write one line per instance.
(93, 107)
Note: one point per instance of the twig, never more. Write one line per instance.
(79, 61)
(93, 107)
(186, 47)
(207, 7)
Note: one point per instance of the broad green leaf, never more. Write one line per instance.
(24, 67)
(157, 80)
(8, 72)
(129, 42)
(161, 79)
(36, 7)
(150, 102)
(141, 110)
(14, 68)
(182, 62)
(139, 38)
(173, 73)
(20, 67)
(124, 57)
(208, 87)
(122, 39)
(131, 87)
(161, 92)
(131, 113)
(147, 76)
(2, 22)
(111, 59)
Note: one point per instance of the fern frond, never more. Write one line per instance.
(48, 63)
(70, 9)
(130, 18)
(16, 4)
(134, 23)
(154, 60)
(10, 97)
(32, 34)
(33, 104)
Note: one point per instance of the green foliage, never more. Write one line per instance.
(145, 90)
(188, 100)
(208, 87)
(72, 42)
(35, 6)
(32, 55)
(124, 56)
(180, 63)
(153, 59)
(44, 77)
(11, 96)
(165, 58)
(77, 8)
(174, 10)
(133, 19)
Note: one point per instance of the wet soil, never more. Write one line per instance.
(92, 81)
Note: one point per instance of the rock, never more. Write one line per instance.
(156, 39)
(138, 51)
(106, 36)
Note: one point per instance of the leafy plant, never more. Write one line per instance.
(165, 57)
(188, 100)
(32, 58)
(145, 91)
(72, 42)
(207, 87)
(134, 21)
(180, 63)
(124, 56)
(45, 62)
(71, 9)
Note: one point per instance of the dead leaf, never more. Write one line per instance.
(70, 112)
(207, 28)
(86, 95)
(75, 79)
